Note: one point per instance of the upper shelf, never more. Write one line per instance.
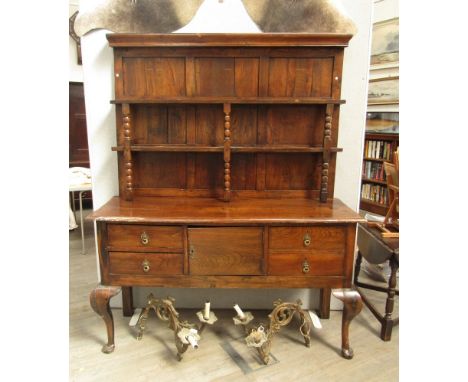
(235, 149)
(233, 100)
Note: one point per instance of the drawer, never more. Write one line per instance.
(154, 238)
(152, 264)
(226, 251)
(305, 264)
(307, 239)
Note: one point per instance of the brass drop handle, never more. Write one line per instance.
(305, 267)
(146, 265)
(144, 238)
(307, 240)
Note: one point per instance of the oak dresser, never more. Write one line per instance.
(226, 148)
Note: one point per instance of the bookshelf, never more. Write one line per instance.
(378, 148)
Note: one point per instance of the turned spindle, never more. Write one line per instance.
(227, 152)
(326, 153)
(127, 151)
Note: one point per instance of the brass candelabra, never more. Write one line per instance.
(261, 336)
(185, 333)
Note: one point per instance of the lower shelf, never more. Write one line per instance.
(370, 206)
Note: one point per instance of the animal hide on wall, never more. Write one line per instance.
(166, 16)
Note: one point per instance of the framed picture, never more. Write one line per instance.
(385, 43)
(383, 91)
(382, 122)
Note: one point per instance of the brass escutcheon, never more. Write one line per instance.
(144, 238)
(192, 251)
(146, 265)
(305, 267)
(307, 240)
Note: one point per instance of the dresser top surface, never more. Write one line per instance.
(210, 211)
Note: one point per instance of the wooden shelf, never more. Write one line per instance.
(382, 182)
(377, 159)
(373, 207)
(234, 149)
(374, 203)
(232, 100)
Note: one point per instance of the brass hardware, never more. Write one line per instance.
(192, 251)
(146, 265)
(144, 238)
(307, 240)
(305, 267)
(261, 337)
(186, 333)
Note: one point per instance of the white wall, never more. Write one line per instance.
(98, 86)
(353, 113)
(385, 9)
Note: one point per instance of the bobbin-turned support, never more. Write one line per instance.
(326, 153)
(227, 151)
(127, 130)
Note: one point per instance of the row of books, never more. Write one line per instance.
(378, 149)
(373, 170)
(374, 193)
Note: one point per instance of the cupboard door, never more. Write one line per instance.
(225, 251)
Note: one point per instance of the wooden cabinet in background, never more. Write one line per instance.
(78, 152)
(227, 149)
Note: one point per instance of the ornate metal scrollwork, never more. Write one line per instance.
(261, 338)
(185, 333)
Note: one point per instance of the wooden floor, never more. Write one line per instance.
(222, 355)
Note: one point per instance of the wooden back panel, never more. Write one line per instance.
(208, 73)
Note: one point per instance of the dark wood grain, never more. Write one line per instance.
(320, 263)
(131, 263)
(223, 281)
(232, 100)
(99, 300)
(227, 147)
(209, 211)
(235, 149)
(322, 238)
(229, 39)
(225, 251)
(159, 238)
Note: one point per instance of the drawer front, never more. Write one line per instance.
(316, 239)
(226, 251)
(154, 238)
(141, 264)
(305, 264)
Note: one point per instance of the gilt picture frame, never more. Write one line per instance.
(385, 43)
(383, 91)
(382, 122)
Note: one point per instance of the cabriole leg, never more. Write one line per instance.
(352, 307)
(99, 299)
